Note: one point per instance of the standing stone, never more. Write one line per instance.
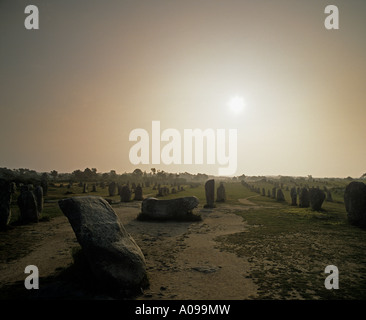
(269, 193)
(304, 200)
(44, 185)
(329, 196)
(38, 193)
(6, 191)
(112, 189)
(160, 192)
(263, 192)
(85, 188)
(274, 192)
(113, 255)
(317, 198)
(94, 188)
(210, 193)
(180, 209)
(221, 193)
(125, 194)
(138, 193)
(280, 196)
(164, 191)
(355, 203)
(27, 205)
(293, 194)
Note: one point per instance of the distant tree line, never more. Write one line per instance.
(91, 175)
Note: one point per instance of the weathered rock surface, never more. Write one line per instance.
(5, 202)
(280, 196)
(210, 193)
(317, 198)
(113, 255)
(38, 193)
(170, 209)
(221, 193)
(27, 204)
(274, 192)
(355, 203)
(112, 188)
(138, 194)
(329, 197)
(125, 193)
(293, 194)
(304, 198)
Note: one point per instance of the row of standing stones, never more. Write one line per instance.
(354, 199)
(113, 255)
(115, 259)
(30, 202)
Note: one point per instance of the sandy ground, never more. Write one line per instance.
(182, 258)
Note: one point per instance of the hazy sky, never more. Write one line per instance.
(72, 91)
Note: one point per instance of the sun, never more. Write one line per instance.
(236, 105)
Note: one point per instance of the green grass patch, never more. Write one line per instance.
(289, 247)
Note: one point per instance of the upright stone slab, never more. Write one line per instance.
(317, 198)
(329, 197)
(304, 198)
(138, 193)
(274, 192)
(293, 195)
(355, 203)
(221, 193)
(210, 193)
(125, 193)
(27, 205)
(112, 188)
(5, 202)
(44, 185)
(113, 255)
(38, 193)
(280, 196)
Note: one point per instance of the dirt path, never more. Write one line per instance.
(247, 202)
(182, 259)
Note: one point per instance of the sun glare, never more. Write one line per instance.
(236, 104)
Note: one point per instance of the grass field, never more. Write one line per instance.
(288, 247)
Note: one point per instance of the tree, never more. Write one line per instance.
(87, 174)
(78, 175)
(113, 174)
(54, 174)
(137, 172)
